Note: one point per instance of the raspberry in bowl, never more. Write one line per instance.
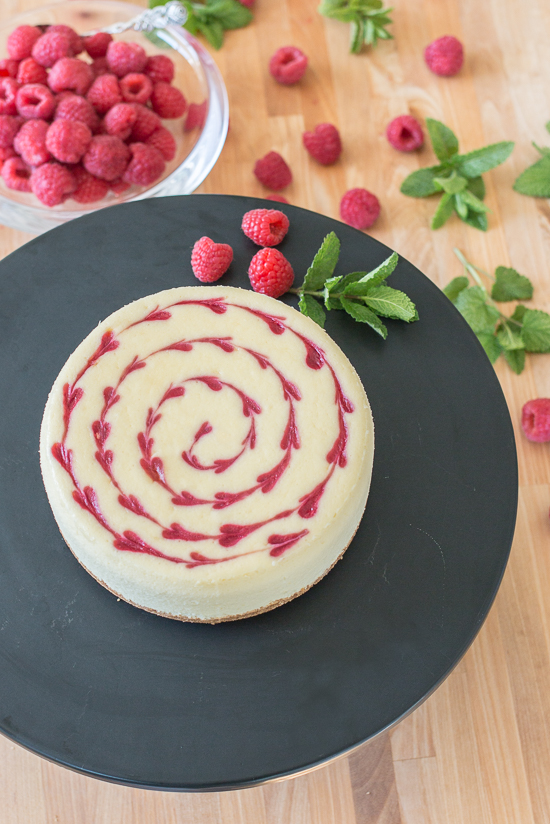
(111, 118)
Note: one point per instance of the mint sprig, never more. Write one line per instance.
(212, 17)
(363, 295)
(525, 330)
(535, 180)
(457, 177)
(368, 19)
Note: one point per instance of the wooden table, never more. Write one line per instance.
(478, 750)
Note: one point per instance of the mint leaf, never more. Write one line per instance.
(444, 141)
(455, 287)
(369, 279)
(473, 203)
(391, 303)
(536, 330)
(477, 220)
(364, 315)
(443, 212)
(331, 302)
(312, 309)
(482, 160)
(518, 313)
(491, 345)
(510, 285)
(515, 358)
(231, 14)
(477, 187)
(323, 264)
(332, 283)
(460, 206)
(535, 180)
(471, 303)
(453, 184)
(509, 338)
(422, 183)
(213, 31)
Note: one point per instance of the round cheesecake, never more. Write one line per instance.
(207, 453)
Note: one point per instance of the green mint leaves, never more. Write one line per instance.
(368, 20)
(212, 17)
(457, 178)
(525, 330)
(535, 180)
(363, 295)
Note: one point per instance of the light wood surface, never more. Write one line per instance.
(478, 750)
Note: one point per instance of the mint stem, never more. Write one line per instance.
(473, 270)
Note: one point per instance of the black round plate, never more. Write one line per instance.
(114, 692)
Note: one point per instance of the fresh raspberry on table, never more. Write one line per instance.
(107, 157)
(72, 74)
(405, 133)
(51, 47)
(196, 115)
(167, 101)
(100, 66)
(146, 166)
(146, 123)
(52, 183)
(68, 140)
(209, 260)
(359, 208)
(30, 142)
(272, 170)
(120, 120)
(74, 107)
(9, 126)
(77, 45)
(535, 420)
(97, 44)
(266, 227)
(288, 65)
(160, 68)
(323, 143)
(89, 189)
(163, 140)
(8, 92)
(35, 100)
(8, 67)
(16, 174)
(124, 58)
(21, 40)
(136, 88)
(277, 198)
(104, 93)
(444, 56)
(29, 71)
(270, 273)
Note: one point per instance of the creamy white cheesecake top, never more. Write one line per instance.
(207, 452)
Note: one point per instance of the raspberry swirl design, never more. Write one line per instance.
(206, 429)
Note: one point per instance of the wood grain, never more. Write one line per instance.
(478, 750)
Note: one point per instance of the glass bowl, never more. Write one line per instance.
(196, 75)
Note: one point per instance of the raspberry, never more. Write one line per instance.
(72, 74)
(74, 38)
(146, 166)
(16, 174)
(9, 126)
(52, 183)
(196, 115)
(277, 198)
(119, 186)
(100, 66)
(51, 47)
(21, 41)
(146, 123)
(107, 157)
(164, 141)
(35, 100)
(9, 68)
(247, 3)
(266, 227)
(29, 71)
(119, 120)
(75, 107)
(535, 420)
(167, 101)
(323, 144)
(270, 273)
(159, 68)
(68, 140)
(405, 133)
(209, 260)
(444, 56)
(30, 142)
(288, 65)
(8, 91)
(273, 171)
(359, 208)
(5, 154)
(124, 58)
(96, 44)
(136, 88)
(104, 93)
(89, 189)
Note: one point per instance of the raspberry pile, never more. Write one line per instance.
(80, 127)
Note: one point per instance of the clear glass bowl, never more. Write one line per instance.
(197, 76)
